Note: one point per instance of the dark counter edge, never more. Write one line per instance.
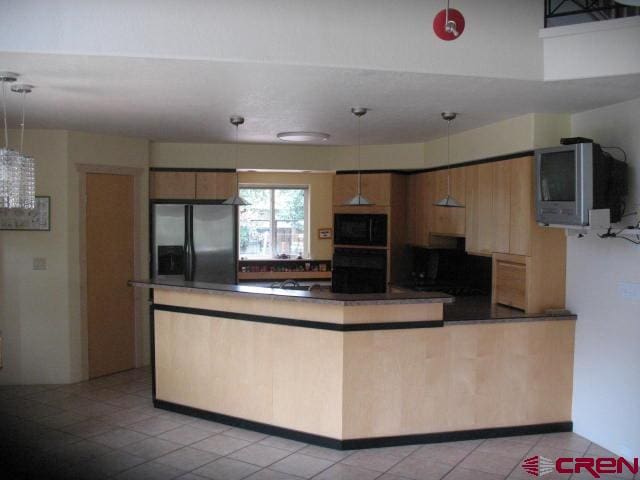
(295, 295)
(372, 442)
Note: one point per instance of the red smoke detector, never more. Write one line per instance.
(448, 24)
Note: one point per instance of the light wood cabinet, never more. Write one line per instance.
(420, 193)
(501, 205)
(510, 280)
(375, 187)
(446, 220)
(172, 185)
(215, 185)
(522, 215)
(480, 219)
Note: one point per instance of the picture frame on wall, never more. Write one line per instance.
(38, 219)
(325, 233)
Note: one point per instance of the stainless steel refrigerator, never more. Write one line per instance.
(194, 241)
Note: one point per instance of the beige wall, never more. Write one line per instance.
(44, 341)
(34, 310)
(516, 134)
(320, 204)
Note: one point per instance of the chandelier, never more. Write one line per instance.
(17, 171)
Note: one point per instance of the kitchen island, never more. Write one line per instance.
(354, 371)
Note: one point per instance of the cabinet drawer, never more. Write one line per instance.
(510, 283)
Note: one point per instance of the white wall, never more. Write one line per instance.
(588, 50)
(606, 397)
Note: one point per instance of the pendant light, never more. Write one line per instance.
(448, 201)
(17, 171)
(359, 200)
(236, 199)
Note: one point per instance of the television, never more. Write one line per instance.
(573, 179)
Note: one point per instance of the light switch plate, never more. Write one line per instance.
(629, 291)
(39, 263)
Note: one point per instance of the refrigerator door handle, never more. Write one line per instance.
(189, 267)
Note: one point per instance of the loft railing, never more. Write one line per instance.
(568, 12)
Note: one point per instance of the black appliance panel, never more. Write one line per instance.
(360, 229)
(171, 260)
(359, 271)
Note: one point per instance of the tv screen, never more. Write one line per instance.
(558, 176)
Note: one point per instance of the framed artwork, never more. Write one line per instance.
(325, 233)
(38, 219)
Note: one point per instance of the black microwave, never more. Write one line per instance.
(360, 229)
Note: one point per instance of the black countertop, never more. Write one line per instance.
(479, 309)
(313, 296)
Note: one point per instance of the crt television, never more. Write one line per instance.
(573, 179)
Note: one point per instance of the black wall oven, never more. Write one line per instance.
(369, 230)
(359, 270)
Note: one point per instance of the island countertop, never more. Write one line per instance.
(313, 296)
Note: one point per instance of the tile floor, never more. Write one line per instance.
(108, 428)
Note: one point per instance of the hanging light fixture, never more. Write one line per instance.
(236, 199)
(17, 171)
(359, 199)
(448, 201)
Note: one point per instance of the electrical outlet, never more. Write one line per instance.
(39, 263)
(629, 291)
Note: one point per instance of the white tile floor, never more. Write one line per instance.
(108, 428)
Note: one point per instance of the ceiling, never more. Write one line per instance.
(190, 101)
(297, 65)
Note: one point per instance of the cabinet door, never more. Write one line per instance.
(501, 205)
(172, 185)
(412, 210)
(419, 206)
(522, 214)
(510, 281)
(480, 219)
(215, 185)
(447, 220)
(344, 188)
(376, 187)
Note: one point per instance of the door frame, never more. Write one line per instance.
(137, 174)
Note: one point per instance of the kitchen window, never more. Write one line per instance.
(275, 223)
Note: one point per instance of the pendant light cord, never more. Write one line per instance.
(4, 113)
(359, 181)
(24, 101)
(448, 158)
(237, 174)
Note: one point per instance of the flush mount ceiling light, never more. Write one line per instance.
(448, 200)
(359, 200)
(303, 136)
(236, 121)
(17, 171)
(448, 23)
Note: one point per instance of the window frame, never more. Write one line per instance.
(272, 220)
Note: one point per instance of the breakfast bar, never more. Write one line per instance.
(354, 371)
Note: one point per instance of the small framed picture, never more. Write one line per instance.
(22, 219)
(325, 233)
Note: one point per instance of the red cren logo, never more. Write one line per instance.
(538, 466)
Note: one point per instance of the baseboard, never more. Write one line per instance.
(372, 442)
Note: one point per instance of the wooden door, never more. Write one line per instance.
(110, 301)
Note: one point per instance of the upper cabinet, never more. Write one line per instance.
(449, 221)
(500, 213)
(171, 185)
(215, 185)
(375, 187)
